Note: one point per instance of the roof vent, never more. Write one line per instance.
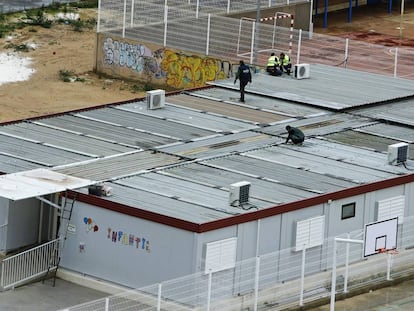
(239, 193)
(155, 99)
(397, 153)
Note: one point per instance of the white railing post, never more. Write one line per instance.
(159, 297)
(197, 8)
(252, 45)
(132, 13)
(124, 20)
(346, 51)
(395, 62)
(302, 276)
(256, 283)
(165, 24)
(228, 6)
(333, 281)
(208, 34)
(299, 46)
(106, 303)
(210, 279)
(346, 266)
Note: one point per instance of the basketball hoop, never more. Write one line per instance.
(390, 251)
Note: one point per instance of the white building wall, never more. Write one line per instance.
(124, 249)
(23, 223)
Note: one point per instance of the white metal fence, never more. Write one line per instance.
(28, 265)
(178, 26)
(281, 280)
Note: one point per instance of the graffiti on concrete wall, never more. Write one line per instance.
(178, 69)
(136, 57)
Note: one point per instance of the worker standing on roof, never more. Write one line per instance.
(295, 135)
(273, 65)
(285, 64)
(245, 76)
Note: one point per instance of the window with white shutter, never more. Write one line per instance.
(310, 232)
(220, 255)
(391, 208)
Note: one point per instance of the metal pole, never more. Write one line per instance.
(395, 62)
(302, 276)
(208, 33)
(197, 8)
(311, 20)
(256, 284)
(106, 304)
(333, 285)
(228, 6)
(346, 266)
(401, 18)
(165, 24)
(253, 48)
(159, 297)
(299, 46)
(346, 51)
(132, 13)
(210, 278)
(256, 33)
(258, 237)
(124, 20)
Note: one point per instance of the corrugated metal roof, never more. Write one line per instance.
(221, 145)
(64, 140)
(9, 164)
(281, 107)
(399, 112)
(145, 123)
(116, 132)
(226, 109)
(37, 153)
(202, 141)
(190, 117)
(330, 87)
(119, 166)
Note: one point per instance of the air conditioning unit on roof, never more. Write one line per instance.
(155, 99)
(239, 193)
(301, 71)
(397, 153)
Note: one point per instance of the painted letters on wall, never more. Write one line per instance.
(175, 69)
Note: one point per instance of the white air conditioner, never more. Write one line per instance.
(100, 190)
(301, 71)
(239, 193)
(155, 99)
(397, 153)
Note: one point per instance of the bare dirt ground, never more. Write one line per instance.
(58, 48)
(61, 48)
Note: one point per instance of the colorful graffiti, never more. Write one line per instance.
(178, 69)
(129, 240)
(136, 57)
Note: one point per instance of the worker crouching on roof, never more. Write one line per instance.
(295, 135)
(273, 64)
(285, 64)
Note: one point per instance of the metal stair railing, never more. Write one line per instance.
(28, 265)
